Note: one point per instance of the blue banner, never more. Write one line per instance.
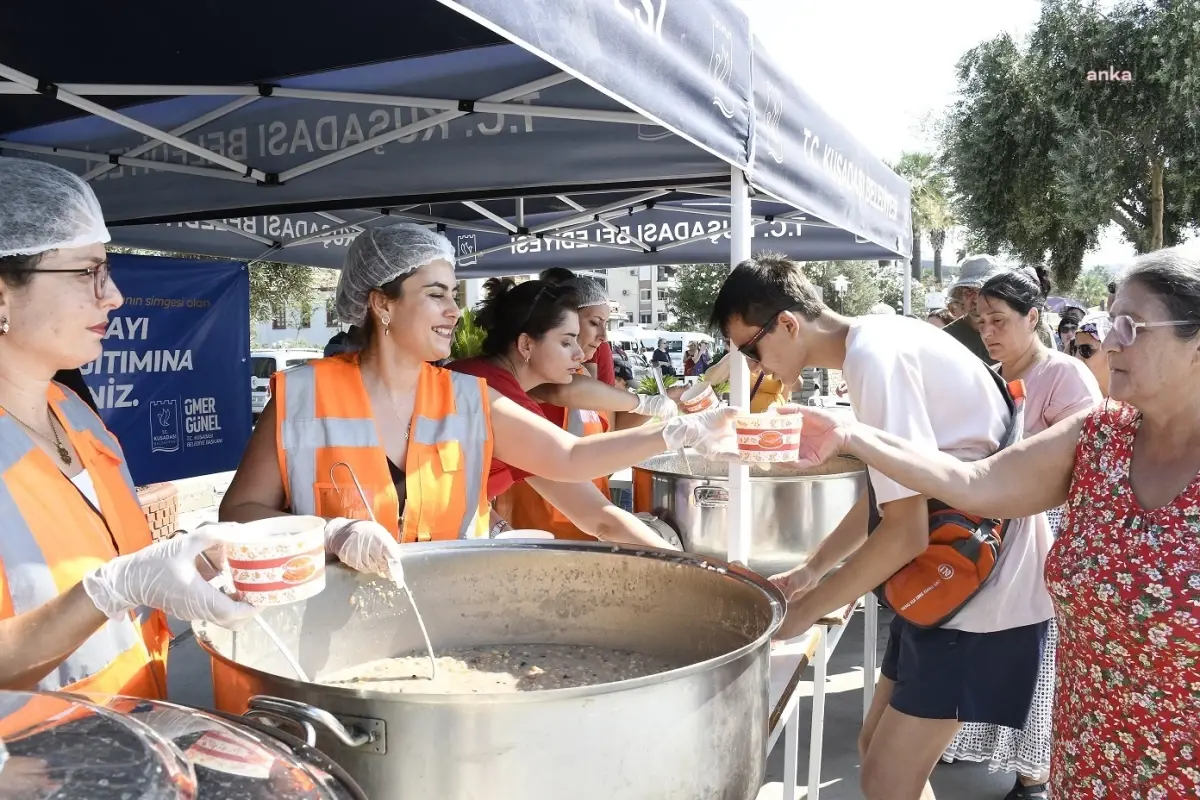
(173, 384)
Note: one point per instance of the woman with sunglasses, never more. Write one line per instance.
(535, 338)
(1088, 347)
(1124, 571)
(1010, 307)
(82, 590)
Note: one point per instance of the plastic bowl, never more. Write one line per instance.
(768, 438)
(279, 560)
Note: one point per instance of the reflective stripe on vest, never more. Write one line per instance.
(303, 434)
(28, 574)
(578, 422)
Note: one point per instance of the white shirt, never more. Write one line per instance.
(83, 482)
(908, 378)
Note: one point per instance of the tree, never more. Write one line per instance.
(1091, 287)
(1045, 147)
(274, 287)
(931, 212)
(696, 290)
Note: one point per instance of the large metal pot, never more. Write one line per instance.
(694, 732)
(792, 510)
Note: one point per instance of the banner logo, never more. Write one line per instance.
(720, 65)
(648, 15)
(652, 133)
(164, 426)
(465, 248)
(772, 116)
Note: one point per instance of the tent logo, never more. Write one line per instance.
(652, 133)
(164, 426)
(465, 245)
(772, 116)
(720, 65)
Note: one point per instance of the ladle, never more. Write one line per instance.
(283, 649)
(408, 592)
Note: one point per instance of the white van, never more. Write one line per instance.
(264, 364)
(677, 345)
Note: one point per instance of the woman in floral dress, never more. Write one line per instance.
(1125, 573)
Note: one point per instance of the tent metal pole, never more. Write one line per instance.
(750, 226)
(140, 163)
(187, 127)
(607, 225)
(738, 519)
(223, 226)
(465, 225)
(154, 90)
(496, 218)
(135, 125)
(520, 212)
(436, 119)
(907, 288)
(588, 216)
(344, 230)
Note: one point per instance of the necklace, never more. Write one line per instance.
(64, 455)
(388, 396)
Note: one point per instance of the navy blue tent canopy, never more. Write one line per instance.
(596, 133)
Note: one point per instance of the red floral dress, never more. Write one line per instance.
(1126, 587)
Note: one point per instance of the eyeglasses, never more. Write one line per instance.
(750, 348)
(1125, 330)
(1086, 351)
(99, 274)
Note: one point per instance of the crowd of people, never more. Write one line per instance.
(1074, 663)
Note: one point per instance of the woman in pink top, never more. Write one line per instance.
(1057, 386)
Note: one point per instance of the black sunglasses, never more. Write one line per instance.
(1086, 351)
(750, 348)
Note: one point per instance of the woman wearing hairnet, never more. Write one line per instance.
(82, 589)
(418, 440)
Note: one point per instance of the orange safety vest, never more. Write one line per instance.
(50, 537)
(324, 417)
(530, 511)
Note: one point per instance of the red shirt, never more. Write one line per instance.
(501, 476)
(603, 359)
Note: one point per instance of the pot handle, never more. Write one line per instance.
(711, 497)
(277, 709)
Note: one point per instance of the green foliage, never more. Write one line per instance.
(1091, 287)
(1042, 158)
(931, 206)
(869, 282)
(279, 286)
(468, 337)
(692, 300)
(647, 385)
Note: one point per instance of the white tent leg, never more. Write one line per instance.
(738, 516)
(870, 631)
(907, 287)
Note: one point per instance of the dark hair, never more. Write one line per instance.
(1174, 279)
(510, 309)
(943, 314)
(17, 271)
(1073, 312)
(555, 275)
(760, 288)
(361, 335)
(1019, 290)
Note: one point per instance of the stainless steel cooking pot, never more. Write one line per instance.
(792, 510)
(695, 732)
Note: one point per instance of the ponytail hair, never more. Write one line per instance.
(1022, 290)
(510, 309)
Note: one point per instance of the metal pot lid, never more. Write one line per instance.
(63, 747)
(231, 761)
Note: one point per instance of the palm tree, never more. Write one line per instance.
(930, 207)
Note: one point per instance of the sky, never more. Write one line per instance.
(880, 66)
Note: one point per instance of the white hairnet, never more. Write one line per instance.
(44, 207)
(590, 292)
(380, 255)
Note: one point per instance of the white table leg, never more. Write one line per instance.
(870, 648)
(791, 753)
(817, 735)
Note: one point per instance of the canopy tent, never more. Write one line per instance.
(615, 121)
(510, 118)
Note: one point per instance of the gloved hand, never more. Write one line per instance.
(365, 546)
(656, 405)
(165, 576)
(710, 432)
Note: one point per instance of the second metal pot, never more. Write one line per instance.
(792, 510)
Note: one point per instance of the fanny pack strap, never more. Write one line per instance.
(1014, 397)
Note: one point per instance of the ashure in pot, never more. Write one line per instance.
(696, 731)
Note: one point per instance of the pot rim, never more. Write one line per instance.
(775, 598)
(755, 478)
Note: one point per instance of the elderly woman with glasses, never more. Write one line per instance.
(1088, 347)
(1125, 572)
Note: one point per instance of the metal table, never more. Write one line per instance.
(788, 661)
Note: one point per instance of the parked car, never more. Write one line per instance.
(264, 364)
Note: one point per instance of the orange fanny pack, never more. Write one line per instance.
(963, 548)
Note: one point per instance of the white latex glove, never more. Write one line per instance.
(710, 432)
(365, 546)
(165, 576)
(656, 405)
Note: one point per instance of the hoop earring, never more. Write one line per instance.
(387, 325)
(3, 326)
